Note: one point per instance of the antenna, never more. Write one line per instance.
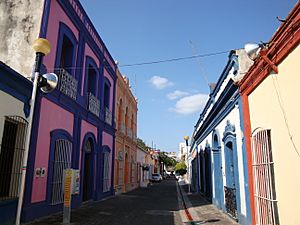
(135, 86)
(195, 52)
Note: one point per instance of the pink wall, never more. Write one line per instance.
(85, 128)
(88, 52)
(62, 119)
(57, 15)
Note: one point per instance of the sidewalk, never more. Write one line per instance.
(202, 211)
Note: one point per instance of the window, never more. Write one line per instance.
(11, 156)
(91, 80)
(67, 53)
(106, 95)
(120, 159)
(133, 166)
(62, 161)
(65, 61)
(106, 177)
(264, 182)
(108, 113)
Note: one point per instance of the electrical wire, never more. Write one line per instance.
(174, 59)
(154, 62)
(284, 113)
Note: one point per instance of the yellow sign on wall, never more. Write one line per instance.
(68, 188)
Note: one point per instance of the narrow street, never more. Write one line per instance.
(159, 204)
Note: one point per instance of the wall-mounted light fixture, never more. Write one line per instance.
(254, 50)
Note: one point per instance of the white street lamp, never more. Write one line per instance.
(186, 138)
(47, 82)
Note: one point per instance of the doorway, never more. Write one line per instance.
(88, 172)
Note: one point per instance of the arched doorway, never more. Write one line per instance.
(218, 198)
(126, 172)
(231, 190)
(87, 170)
(208, 181)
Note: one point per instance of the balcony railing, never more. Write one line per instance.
(94, 104)
(67, 83)
(108, 116)
(230, 201)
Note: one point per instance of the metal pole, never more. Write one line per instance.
(27, 143)
(188, 165)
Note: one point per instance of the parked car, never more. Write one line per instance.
(156, 177)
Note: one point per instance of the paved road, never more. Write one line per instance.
(159, 204)
(155, 205)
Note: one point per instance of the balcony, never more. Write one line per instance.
(67, 83)
(230, 201)
(108, 116)
(94, 105)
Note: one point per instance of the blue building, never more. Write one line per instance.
(73, 126)
(219, 166)
(15, 92)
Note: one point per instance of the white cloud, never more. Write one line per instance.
(190, 104)
(177, 94)
(160, 82)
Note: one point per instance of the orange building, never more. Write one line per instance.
(126, 167)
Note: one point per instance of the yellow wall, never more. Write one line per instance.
(266, 112)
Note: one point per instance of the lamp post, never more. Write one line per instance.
(41, 47)
(186, 138)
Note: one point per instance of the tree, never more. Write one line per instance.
(142, 144)
(168, 161)
(180, 168)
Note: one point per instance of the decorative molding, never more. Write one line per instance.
(229, 131)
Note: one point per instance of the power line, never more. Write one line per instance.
(174, 59)
(152, 62)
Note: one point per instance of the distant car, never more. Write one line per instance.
(156, 177)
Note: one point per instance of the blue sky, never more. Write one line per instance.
(171, 95)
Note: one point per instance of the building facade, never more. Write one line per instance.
(143, 167)
(15, 92)
(271, 117)
(73, 127)
(126, 168)
(217, 158)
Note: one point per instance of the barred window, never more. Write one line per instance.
(121, 162)
(12, 148)
(62, 161)
(132, 170)
(106, 177)
(264, 182)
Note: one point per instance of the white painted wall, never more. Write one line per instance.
(9, 106)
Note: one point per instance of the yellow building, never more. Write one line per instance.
(126, 167)
(271, 110)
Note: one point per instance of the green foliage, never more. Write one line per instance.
(180, 168)
(142, 144)
(169, 162)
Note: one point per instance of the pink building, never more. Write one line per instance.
(74, 125)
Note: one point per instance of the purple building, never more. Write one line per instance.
(73, 126)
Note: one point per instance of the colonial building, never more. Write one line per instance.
(271, 112)
(218, 160)
(73, 127)
(143, 163)
(15, 92)
(126, 168)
